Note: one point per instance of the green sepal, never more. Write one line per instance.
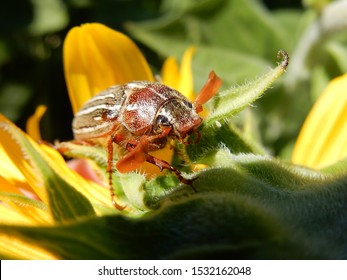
(216, 132)
(228, 103)
(22, 200)
(225, 135)
(337, 169)
(128, 187)
(132, 185)
(165, 188)
(74, 150)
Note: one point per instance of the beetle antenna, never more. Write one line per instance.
(208, 91)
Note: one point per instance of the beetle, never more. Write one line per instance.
(140, 116)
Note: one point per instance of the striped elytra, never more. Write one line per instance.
(135, 109)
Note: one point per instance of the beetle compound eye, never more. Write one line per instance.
(163, 120)
(188, 104)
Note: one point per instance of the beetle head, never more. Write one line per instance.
(180, 116)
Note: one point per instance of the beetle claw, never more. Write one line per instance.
(161, 164)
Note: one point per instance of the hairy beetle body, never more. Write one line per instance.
(133, 110)
(140, 117)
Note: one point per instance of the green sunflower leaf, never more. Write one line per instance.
(247, 206)
(219, 225)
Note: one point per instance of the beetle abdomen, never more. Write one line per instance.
(99, 114)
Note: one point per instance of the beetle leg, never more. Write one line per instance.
(188, 142)
(136, 156)
(109, 171)
(138, 151)
(162, 164)
(140, 148)
(208, 91)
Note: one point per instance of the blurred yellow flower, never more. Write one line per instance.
(180, 79)
(323, 137)
(32, 126)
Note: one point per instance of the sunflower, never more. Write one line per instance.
(53, 209)
(34, 176)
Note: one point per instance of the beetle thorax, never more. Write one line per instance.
(145, 102)
(179, 114)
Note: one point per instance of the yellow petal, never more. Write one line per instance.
(7, 168)
(15, 248)
(180, 79)
(11, 179)
(33, 123)
(9, 216)
(8, 186)
(186, 85)
(170, 73)
(96, 57)
(18, 156)
(17, 213)
(25, 166)
(21, 210)
(95, 193)
(323, 137)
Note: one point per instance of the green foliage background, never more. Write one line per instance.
(237, 39)
(249, 204)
